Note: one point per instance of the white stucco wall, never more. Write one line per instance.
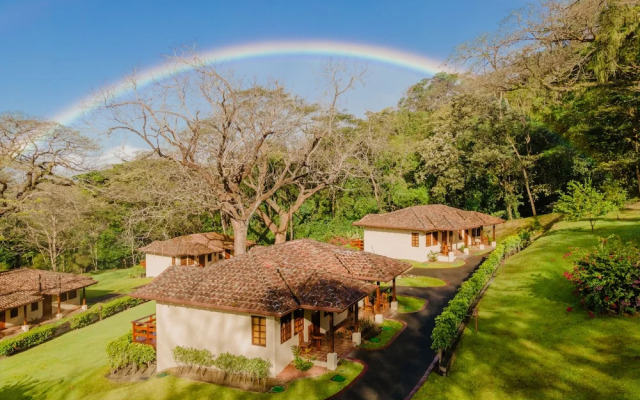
(156, 264)
(397, 244)
(16, 321)
(218, 332)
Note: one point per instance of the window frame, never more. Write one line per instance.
(260, 323)
(415, 239)
(285, 328)
(11, 312)
(298, 322)
(37, 306)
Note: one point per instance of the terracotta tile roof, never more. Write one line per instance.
(191, 245)
(25, 285)
(276, 280)
(427, 218)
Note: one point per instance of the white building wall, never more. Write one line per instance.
(218, 332)
(397, 244)
(155, 264)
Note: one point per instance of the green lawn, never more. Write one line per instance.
(407, 304)
(530, 346)
(417, 281)
(514, 226)
(436, 264)
(113, 281)
(390, 329)
(74, 365)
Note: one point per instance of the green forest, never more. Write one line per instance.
(548, 101)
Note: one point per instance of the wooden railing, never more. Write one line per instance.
(144, 330)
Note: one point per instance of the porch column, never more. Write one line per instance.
(378, 298)
(355, 318)
(467, 242)
(59, 303)
(394, 290)
(494, 233)
(331, 333)
(84, 297)
(24, 320)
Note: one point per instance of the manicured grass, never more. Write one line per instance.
(74, 365)
(530, 346)
(436, 264)
(514, 226)
(407, 304)
(417, 281)
(114, 281)
(385, 336)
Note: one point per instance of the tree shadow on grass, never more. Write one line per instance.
(24, 389)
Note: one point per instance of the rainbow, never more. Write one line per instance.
(385, 55)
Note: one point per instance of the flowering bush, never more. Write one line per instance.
(607, 278)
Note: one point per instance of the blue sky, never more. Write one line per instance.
(56, 52)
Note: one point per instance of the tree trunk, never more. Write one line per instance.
(526, 185)
(240, 228)
(281, 236)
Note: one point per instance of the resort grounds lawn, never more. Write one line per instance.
(436, 264)
(417, 281)
(113, 282)
(530, 346)
(514, 226)
(74, 366)
(390, 328)
(408, 304)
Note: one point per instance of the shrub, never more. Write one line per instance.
(122, 352)
(118, 305)
(366, 325)
(447, 323)
(607, 278)
(137, 272)
(300, 363)
(433, 256)
(192, 357)
(83, 319)
(28, 339)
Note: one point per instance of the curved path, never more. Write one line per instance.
(394, 371)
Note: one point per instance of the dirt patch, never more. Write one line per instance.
(132, 374)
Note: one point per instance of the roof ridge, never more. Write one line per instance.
(295, 296)
(418, 218)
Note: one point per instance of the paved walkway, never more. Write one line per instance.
(393, 372)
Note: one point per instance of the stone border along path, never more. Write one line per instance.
(394, 371)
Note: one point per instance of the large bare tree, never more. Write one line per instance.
(33, 152)
(244, 141)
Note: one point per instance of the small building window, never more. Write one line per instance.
(430, 239)
(72, 294)
(298, 322)
(13, 313)
(35, 306)
(173, 261)
(285, 328)
(183, 260)
(63, 296)
(209, 257)
(415, 240)
(259, 331)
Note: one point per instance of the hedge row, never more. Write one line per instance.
(28, 339)
(256, 369)
(447, 323)
(122, 353)
(103, 311)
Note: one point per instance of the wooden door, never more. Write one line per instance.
(315, 321)
(46, 305)
(2, 316)
(201, 260)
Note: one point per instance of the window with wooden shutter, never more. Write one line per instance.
(285, 328)
(259, 331)
(415, 240)
(298, 322)
(429, 239)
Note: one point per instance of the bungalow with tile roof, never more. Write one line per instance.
(413, 233)
(200, 249)
(261, 303)
(28, 294)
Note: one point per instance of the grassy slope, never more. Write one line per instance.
(416, 281)
(74, 366)
(407, 304)
(113, 281)
(529, 346)
(512, 227)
